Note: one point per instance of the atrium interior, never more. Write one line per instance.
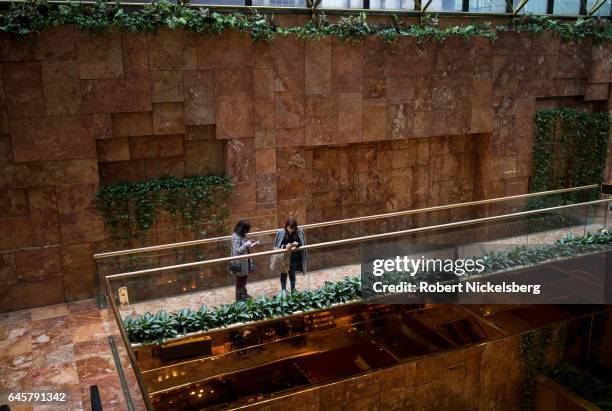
(306, 205)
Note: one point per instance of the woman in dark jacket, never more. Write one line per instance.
(292, 237)
(243, 267)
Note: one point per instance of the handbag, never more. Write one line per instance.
(277, 262)
(235, 266)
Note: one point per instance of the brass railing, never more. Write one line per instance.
(359, 239)
(100, 256)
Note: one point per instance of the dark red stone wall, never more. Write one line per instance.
(313, 129)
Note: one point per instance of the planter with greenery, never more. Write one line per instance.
(35, 16)
(162, 326)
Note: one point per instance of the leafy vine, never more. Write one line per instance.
(541, 350)
(593, 388)
(533, 346)
(34, 16)
(131, 208)
(569, 150)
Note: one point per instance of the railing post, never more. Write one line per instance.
(606, 192)
(99, 288)
(94, 394)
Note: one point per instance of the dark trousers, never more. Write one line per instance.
(291, 280)
(241, 291)
(294, 263)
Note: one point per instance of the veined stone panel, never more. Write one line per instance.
(488, 376)
(362, 128)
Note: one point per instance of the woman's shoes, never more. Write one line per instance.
(283, 293)
(245, 297)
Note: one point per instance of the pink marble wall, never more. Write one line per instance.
(78, 110)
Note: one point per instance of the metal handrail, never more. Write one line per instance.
(343, 221)
(356, 239)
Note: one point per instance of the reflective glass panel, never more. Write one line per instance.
(566, 7)
(602, 11)
(488, 6)
(392, 4)
(532, 6)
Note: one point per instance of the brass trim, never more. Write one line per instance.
(356, 239)
(520, 6)
(135, 366)
(345, 221)
(250, 347)
(596, 7)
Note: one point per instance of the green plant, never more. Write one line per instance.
(205, 319)
(149, 327)
(25, 18)
(533, 347)
(352, 29)
(430, 30)
(311, 30)
(161, 326)
(233, 313)
(388, 35)
(186, 321)
(595, 28)
(596, 390)
(198, 201)
(569, 150)
(261, 29)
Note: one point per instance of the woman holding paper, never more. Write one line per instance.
(291, 237)
(242, 268)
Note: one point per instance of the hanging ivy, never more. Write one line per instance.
(593, 388)
(533, 347)
(34, 16)
(541, 350)
(130, 208)
(570, 148)
(595, 28)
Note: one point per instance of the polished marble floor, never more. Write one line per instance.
(64, 348)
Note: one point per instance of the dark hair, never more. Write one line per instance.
(291, 222)
(242, 228)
